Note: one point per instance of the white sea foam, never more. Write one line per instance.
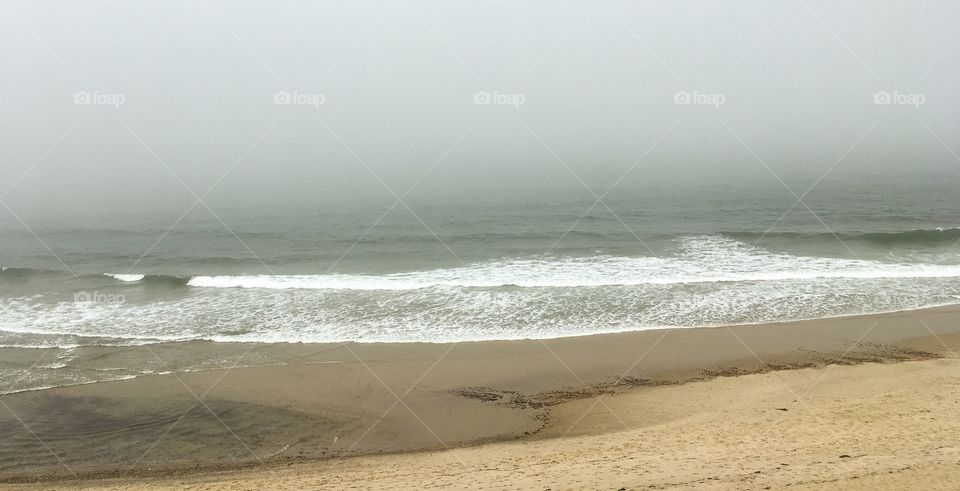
(596, 273)
(704, 260)
(33, 388)
(704, 281)
(125, 277)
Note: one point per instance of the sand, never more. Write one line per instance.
(868, 401)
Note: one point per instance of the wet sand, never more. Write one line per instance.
(633, 409)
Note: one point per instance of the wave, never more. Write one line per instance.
(728, 257)
(8, 273)
(947, 236)
(695, 259)
(125, 277)
(28, 274)
(705, 259)
(161, 280)
(530, 297)
(918, 237)
(584, 279)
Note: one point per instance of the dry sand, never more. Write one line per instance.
(637, 410)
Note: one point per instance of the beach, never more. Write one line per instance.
(849, 401)
(417, 245)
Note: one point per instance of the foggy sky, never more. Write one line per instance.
(398, 80)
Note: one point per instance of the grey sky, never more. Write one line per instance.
(597, 82)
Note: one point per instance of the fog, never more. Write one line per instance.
(137, 108)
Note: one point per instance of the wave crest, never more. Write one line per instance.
(705, 259)
(921, 237)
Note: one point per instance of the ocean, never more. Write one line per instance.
(537, 263)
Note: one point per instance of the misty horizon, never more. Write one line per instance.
(302, 107)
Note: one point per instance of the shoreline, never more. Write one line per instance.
(334, 400)
(161, 341)
(297, 345)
